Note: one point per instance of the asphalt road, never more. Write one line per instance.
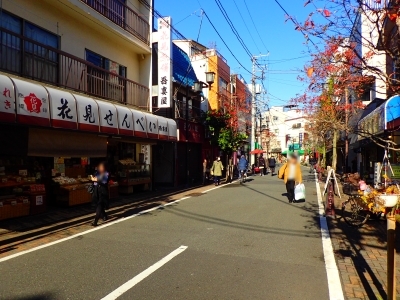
(243, 242)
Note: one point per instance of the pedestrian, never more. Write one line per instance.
(262, 165)
(272, 164)
(312, 161)
(216, 170)
(242, 166)
(205, 175)
(100, 192)
(290, 172)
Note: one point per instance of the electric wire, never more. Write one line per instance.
(258, 33)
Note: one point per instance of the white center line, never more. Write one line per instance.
(332, 272)
(138, 278)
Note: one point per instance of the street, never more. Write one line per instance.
(243, 242)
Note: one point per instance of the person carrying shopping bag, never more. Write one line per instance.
(216, 170)
(290, 172)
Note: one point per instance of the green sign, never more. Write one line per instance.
(396, 172)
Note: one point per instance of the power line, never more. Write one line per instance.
(244, 22)
(251, 18)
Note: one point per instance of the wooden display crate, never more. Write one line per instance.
(14, 209)
(113, 192)
(79, 196)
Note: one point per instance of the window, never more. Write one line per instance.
(275, 118)
(298, 125)
(223, 84)
(35, 60)
(104, 84)
(276, 131)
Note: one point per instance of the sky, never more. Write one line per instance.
(264, 31)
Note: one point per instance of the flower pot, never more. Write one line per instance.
(389, 200)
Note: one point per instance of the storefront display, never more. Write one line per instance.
(133, 174)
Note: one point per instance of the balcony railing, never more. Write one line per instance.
(123, 16)
(27, 58)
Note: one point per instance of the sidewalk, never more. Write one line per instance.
(58, 222)
(361, 256)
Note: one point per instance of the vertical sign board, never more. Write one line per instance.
(62, 109)
(7, 99)
(164, 62)
(32, 103)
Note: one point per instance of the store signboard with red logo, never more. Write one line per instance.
(125, 120)
(162, 128)
(108, 117)
(88, 113)
(152, 126)
(32, 103)
(172, 130)
(62, 109)
(7, 99)
(195, 132)
(139, 124)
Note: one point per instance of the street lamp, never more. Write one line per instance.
(198, 87)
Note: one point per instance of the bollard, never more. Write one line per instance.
(330, 201)
(391, 257)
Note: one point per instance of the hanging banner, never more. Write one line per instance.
(164, 62)
(7, 99)
(88, 113)
(108, 117)
(125, 120)
(32, 103)
(62, 109)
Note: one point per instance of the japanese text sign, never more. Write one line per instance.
(108, 117)
(125, 120)
(139, 124)
(88, 113)
(7, 99)
(62, 109)
(152, 126)
(32, 103)
(162, 128)
(164, 62)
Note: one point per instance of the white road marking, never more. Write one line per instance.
(332, 272)
(138, 278)
(89, 231)
(220, 186)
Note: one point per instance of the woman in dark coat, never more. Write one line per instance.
(100, 193)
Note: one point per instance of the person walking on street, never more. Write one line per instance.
(206, 171)
(242, 166)
(290, 172)
(100, 193)
(216, 170)
(262, 165)
(272, 165)
(312, 161)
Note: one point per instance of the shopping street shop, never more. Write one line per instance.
(51, 140)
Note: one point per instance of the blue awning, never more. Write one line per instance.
(182, 70)
(392, 110)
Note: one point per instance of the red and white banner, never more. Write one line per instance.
(108, 117)
(88, 113)
(32, 103)
(7, 99)
(125, 120)
(172, 130)
(62, 109)
(139, 124)
(162, 128)
(152, 126)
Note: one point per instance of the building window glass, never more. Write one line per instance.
(275, 118)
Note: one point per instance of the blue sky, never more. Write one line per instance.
(278, 37)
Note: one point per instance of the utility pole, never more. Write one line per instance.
(346, 150)
(254, 103)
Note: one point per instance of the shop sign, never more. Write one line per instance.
(62, 109)
(139, 124)
(164, 62)
(396, 172)
(162, 128)
(108, 117)
(145, 149)
(32, 103)
(172, 130)
(125, 120)
(39, 200)
(373, 123)
(195, 132)
(152, 126)
(88, 113)
(7, 99)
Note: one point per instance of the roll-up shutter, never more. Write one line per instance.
(54, 143)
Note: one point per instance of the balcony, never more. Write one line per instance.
(123, 16)
(27, 58)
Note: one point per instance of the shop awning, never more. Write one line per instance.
(140, 125)
(7, 96)
(152, 126)
(62, 109)
(88, 114)
(50, 143)
(172, 130)
(32, 103)
(125, 120)
(392, 112)
(162, 128)
(108, 117)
